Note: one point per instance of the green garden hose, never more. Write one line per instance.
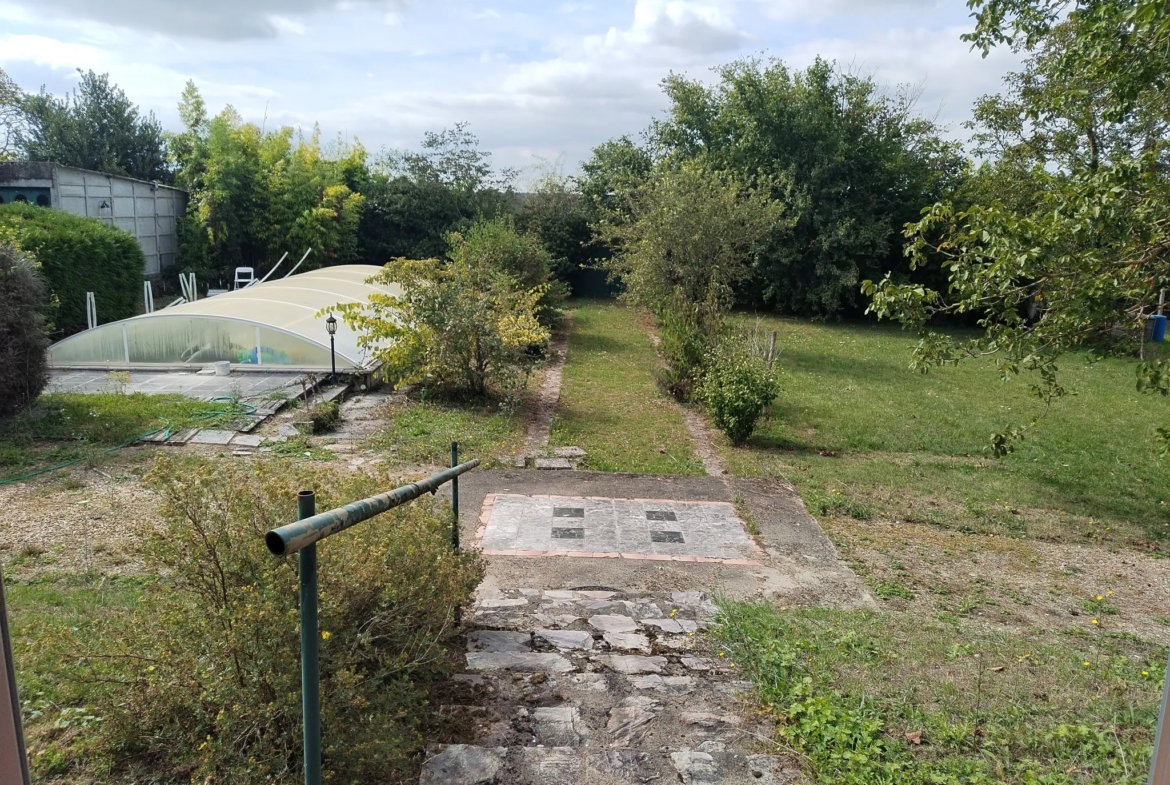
(168, 427)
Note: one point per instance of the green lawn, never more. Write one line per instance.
(422, 432)
(860, 433)
(851, 692)
(610, 405)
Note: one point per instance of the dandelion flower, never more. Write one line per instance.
(720, 654)
(1099, 598)
(1085, 663)
(1145, 673)
(1096, 622)
(326, 635)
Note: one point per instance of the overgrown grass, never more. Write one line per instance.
(610, 404)
(861, 434)
(52, 621)
(62, 427)
(422, 432)
(863, 697)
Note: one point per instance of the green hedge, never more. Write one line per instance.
(79, 255)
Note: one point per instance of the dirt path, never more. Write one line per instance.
(703, 438)
(538, 429)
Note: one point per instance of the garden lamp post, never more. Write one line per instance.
(331, 326)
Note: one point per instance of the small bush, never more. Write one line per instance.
(325, 416)
(24, 368)
(79, 255)
(685, 346)
(208, 665)
(737, 386)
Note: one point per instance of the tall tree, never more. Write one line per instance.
(12, 120)
(95, 127)
(854, 166)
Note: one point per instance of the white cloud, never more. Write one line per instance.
(820, 10)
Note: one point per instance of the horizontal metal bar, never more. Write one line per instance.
(294, 536)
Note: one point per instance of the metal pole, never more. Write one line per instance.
(455, 498)
(333, 360)
(310, 667)
(1160, 764)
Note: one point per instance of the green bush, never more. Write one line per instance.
(207, 668)
(79, 255)
(736, 388)
(686, 343)
(23, 365)
(325, 416)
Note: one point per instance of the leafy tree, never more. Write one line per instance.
(559, 217)
(615, 169)
(691, 238)
(97, 127)
(496, 245)
(852, 165)
(1088, 257)
(256, 194)
(462, 326)
(24, 369)
(405, 218)
(12, 120)
(452, 158)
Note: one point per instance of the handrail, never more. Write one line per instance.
(294, 536)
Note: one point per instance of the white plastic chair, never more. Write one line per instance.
(245, 276)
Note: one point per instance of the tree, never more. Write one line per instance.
(461, 326)
(496, 245)
(559, 217)
(852, 164)
(24, 367)
(1088, 258)
(12, 121)
(615, 169)
(691, 237)
(97, 127)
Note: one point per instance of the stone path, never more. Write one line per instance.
(539, 428)
(600, 687)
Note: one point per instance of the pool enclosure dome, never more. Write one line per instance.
(272, 324)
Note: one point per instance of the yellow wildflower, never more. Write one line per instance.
(326, 635)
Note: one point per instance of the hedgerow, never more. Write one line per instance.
(23, 367)
(79, 255)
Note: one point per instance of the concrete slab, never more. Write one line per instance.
(247, 440)
(212, 437)
(622, 527)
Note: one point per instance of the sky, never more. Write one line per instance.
(541, 83)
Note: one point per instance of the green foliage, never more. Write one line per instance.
(850, 691)
(79, 255)
(689, 239)
(1082, 260)
(256, 194)
(737, 386)
(495, 245)
(23, 365)
(613, 172)
(324, 416)
(97, 127)
(560, 217)
(206, 661)
(81, 425)
(850, 164)
(12, 117)
(466, 325)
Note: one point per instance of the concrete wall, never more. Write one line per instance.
(147, 210)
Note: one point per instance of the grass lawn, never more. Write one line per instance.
(610, 404)
(65, 427)
(421, 432)
(862, 697)
(861, 434)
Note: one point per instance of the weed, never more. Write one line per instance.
(888, 589)
(1099, 606)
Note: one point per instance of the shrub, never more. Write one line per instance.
(324, 416)
(208, 664)
(79, 255)
(23, 364)
(686, 344)
(462, 326)
(737, 386)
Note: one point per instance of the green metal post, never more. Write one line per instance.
(310, 667)
(455, 497)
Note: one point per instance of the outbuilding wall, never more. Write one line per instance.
(148, 211)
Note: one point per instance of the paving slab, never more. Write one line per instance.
(529, 662)
(212, 437)
(247, 440)
(462, 764)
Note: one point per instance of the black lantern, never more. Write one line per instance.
(331, 326)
